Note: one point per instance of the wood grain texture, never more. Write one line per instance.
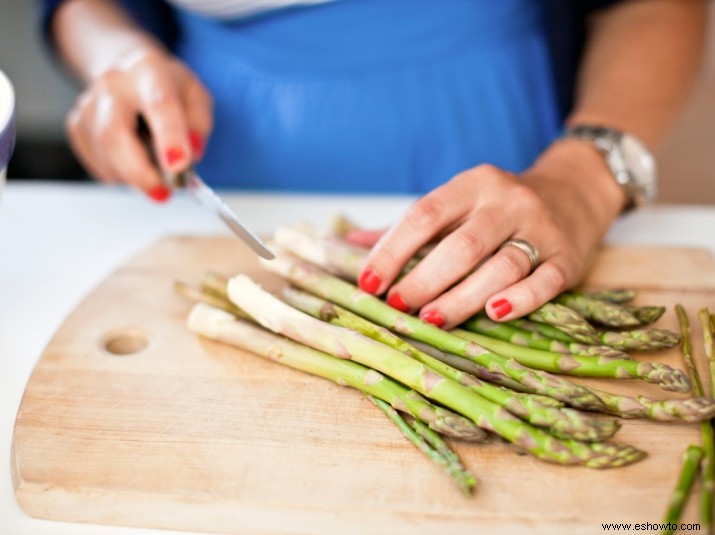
(190, 434)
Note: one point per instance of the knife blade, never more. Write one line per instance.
(189, 180)
(206, 196)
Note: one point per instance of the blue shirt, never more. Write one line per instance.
(371, 95)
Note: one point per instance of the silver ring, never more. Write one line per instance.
(527, 248)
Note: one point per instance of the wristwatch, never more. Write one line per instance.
(632, 164)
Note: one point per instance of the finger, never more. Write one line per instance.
(424, 220)
(83, 142)
(364, 238)
(502, 270)
(199, 115)
(452, 258)
(163, 109)
(550, 279)
(132, 164)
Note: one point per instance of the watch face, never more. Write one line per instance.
(641, 165)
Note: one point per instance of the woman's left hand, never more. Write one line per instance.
(562, 206)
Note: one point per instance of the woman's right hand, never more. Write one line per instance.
(103, 123)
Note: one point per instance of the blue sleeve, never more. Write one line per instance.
(155, 16)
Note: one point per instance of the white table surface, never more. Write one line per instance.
(59, 241)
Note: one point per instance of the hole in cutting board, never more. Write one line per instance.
(125, 341)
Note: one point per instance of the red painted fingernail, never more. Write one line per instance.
(174, 155)
(501, 308)
(433, 317)
(395, 301)
(159, 193)
(369, 281)
(197, 144)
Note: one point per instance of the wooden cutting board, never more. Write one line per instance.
(130, 419)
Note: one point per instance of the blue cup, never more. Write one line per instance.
(7, 126)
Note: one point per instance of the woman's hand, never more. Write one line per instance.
(148, 83)
(562, 206)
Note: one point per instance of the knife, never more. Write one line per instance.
(192, 182)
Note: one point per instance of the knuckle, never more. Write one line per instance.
(526, 199)
(556, 276)
(425, 213)
(470, 245)
(511, 266)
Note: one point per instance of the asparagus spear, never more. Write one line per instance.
(481, 324)
(708, 491)
(639, 339)
(652, 372)
(562, 423)
(706, 428)
(691, 460)
(708, 327)
(567, 320)
(548, 331)
(667, 410)
(345, 343)
(219, 325)
(341, 225)
(646, 314)
(442, 455)
(317, 281)
(598, 311)
(618, 296)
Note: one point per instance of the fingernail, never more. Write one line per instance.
(159, 193)
(174, 155)
(501, 308)
(396, 301)
(197, 144)
(369, 281)
(433, 317)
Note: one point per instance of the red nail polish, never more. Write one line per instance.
(174, 155)
(396, 301)
(501, 308)
(197, 144)
(433, 317)
(159, 193)
(369, 281)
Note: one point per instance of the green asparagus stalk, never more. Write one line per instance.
(690, 410)
(706, 502)
(562, 423)
(688, 472)
(652, 372)
(220, 325)
(199, 296)
(598, 311)
(639, 339)
(215, 284)
(668, 410)
(548, 331)
(646, 314)
(706, 429)
(481, 324)
(708, 327)
(567, 320)
(347, 344)
(341, 225)
(318, 282)
(618, 296)
(442, 455)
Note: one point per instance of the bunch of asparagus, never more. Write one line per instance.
(483, 376)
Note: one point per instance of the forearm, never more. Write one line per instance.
(640, 63)
(92, 35)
